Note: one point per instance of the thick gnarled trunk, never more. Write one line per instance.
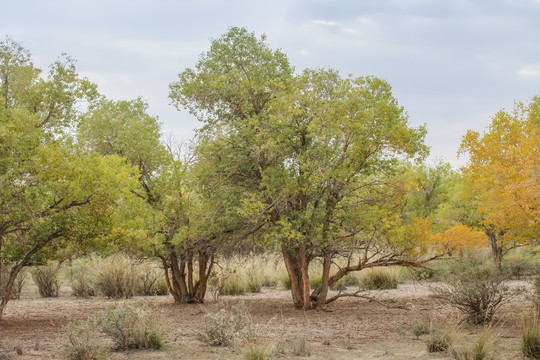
(179, 275)
(297, 264)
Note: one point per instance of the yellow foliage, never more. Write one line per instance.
(504, 172)
(457, 238)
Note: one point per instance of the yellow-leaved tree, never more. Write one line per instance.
(503, 173)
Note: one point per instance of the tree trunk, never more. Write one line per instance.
(6, 291)
(319, 295)
(297, 264)
(496, 247)
(188, 291)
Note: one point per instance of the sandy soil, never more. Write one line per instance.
(350, 328)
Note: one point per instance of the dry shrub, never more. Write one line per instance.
(477, 290)
(150, 280)
(46, 279)
(530, 338)
(115, 278)
(482, 349)
(133, 327)
(379, 279)
(82, 342)
(82, 280)
(226, 324)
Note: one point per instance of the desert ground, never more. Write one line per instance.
(350, 328)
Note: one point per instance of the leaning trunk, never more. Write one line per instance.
(5, 292)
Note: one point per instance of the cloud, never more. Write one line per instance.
(531, 70)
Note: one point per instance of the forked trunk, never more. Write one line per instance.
(183, 286)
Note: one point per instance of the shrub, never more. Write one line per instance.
(482, 349)
(530, 338)
(379, 279)
(115, 278)
(519, 263)
(418, 329)
(438, 341)
(82, 282)
(133, 327)
(252, 350)
(46, 279)
(477, 290)
(82, 344)
(226, 324)
(150, 280)
(254, 279)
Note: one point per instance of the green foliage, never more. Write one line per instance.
(83, 342)
(46, 278)
(418, 329)
(379, 279)
(530, 338)
(133, 327)
(226, 324)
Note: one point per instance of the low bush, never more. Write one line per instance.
(150, 280)
(225, 325)
(115, 278)
(482, 349)
(530, 338)
(478, 290)
(82, 281)
(519, 263)
(379, 279)
(82, 342)
(438, 341)
(133, 327)
(46, 279)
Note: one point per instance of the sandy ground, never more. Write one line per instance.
(350, 328)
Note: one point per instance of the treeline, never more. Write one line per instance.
(313, 165)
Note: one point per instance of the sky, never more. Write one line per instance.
(452, 64)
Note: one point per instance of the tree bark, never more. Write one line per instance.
(297, 267)
(182, 286)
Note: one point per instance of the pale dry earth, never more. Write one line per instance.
(350, 328)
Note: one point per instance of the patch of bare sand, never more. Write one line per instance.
(350, 328)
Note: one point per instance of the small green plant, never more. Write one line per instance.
(133, 327)
(286, 281)
(482, 349)
(82, 343)
(379, 279)
(225, 325)
(530, 338)
(418, 329)
(46, 279)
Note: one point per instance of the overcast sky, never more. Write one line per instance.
(452, 63)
